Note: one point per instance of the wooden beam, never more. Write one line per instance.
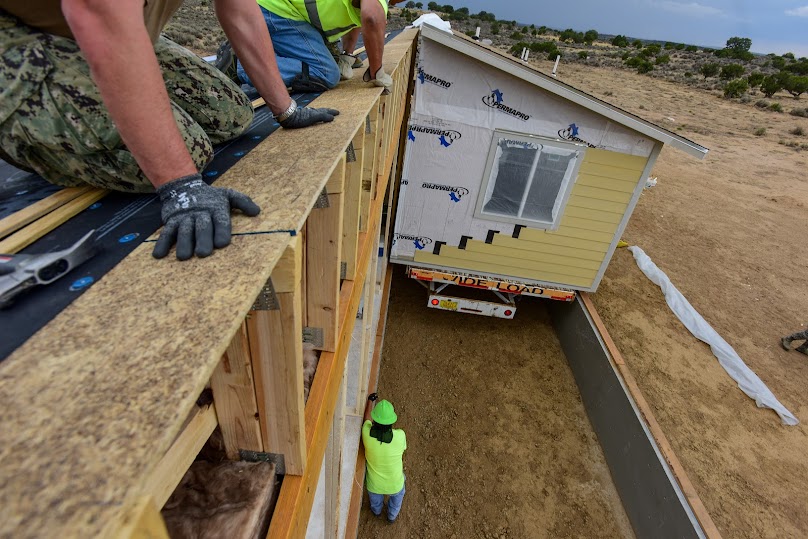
(234, 394)
(276, 347)
(143, 521)
(368, 310)
(168, 473)
(353, 205)
(19, 219)
(323, 250)
(28, 235)
(370, 166)
(333, 464)
(665, 448)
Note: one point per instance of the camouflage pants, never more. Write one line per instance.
(799, 336)
(53, 121)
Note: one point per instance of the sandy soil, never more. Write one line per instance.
(499, 444)
(730, 232)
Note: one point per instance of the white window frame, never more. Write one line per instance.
(564, 191)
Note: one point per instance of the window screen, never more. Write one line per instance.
(528, 179)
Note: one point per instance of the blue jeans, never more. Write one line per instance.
(296, 42)
(393, 503)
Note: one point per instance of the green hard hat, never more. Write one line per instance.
(383, 413)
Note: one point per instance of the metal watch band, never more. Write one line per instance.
(287, 113)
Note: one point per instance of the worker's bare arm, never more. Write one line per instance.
(349, 40)
(248, 34)
(374, 23)
(369, 406)
(123, 65)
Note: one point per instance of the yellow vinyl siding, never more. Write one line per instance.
(602, 194)
(558, 241)
(552, 257)
(607, 183)
(615, 159)
(573, 254)
(499, 269)
(513, 262)
(589, 203)
(606, 171)
(594, 215)
(507, 243)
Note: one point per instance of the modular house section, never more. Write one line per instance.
(511, 173)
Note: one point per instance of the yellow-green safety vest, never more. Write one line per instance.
(333, 18)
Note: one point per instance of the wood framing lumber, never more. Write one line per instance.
(358, 484)
(27, 215)
(353, 204)
(323, 251)
(366, 348)
(143, 521)
(665, 448)
(371, 153)
(276, 346)
(297, 493)
(26, 236)
(169, 471)
(234, 394)
(333, 464)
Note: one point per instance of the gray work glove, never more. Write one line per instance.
(345, 63)
(306, 116)
(197, 216)
(379, 79)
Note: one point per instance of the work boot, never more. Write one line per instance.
(786, 343)
(803, 348)
(303, 83)
(226, 62)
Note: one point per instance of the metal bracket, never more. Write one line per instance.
(322, 200)
(343, 269)
(367, 125)
(350, 153)
(313, 336)
(258, 456)
(267, 300)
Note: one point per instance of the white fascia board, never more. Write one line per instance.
(478, 52)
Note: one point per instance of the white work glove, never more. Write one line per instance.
(345, 64)
(380, 79)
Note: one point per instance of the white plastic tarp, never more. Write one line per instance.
(432, 20)
(747, 380)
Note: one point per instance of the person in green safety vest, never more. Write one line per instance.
(303, 33)
(384, 452)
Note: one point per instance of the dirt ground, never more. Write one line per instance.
(499, 444)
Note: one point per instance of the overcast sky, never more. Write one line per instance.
(773, 25)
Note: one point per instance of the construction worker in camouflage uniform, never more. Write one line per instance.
(90, 94)
(305, 32)
(798, 336)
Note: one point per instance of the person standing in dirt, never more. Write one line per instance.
(305, 35)
(93, 95)
(798, 336)
(384, 452)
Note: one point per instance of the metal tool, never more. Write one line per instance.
(21, 272)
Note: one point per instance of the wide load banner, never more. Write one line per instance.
(454, 87)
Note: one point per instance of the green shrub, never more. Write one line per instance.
(803, 113)
(731, 71)
(517, 35)
(762, 104)
(789, 55)
(754, 79)
(637, 44)
(736, 88)
(692, 48)
(770, 85)
(797, 131)
(709, 70)
(620, 41)
(776, 107)
(582, 55)
(778, 62)
(495, 29)
(663, 59)
(688, 74)
(759, 132)
(653, 49)
(796, 85)
(625, 56)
